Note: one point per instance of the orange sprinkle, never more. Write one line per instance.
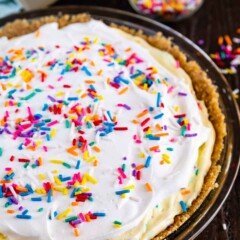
(108, 81)
(40, 160)
(92, 63)
(3, 87)
(96, 149)
(74, 204)
(114, 118)
(72, 151)
(95, 163)
(135, 121)
(87, 218)
(158, 127)
(148, 187)
(123, 91)
(154, 148)
(21, 189)
(144, 112)
(4, 181)
(220, 40)
(161, 134)
(139, 167)
(83, 95)
(228, 40)
(29, 87)
(76, 232)
(10, 211)
(89, 81)
(37, 34)
(99, 72)
(185, 192)
(128, 49)
(6, 104)
(165, 82)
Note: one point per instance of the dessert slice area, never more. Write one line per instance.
(94, 132)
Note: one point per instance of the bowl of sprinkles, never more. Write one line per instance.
(166, 10)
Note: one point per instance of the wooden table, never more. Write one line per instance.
(215, 18)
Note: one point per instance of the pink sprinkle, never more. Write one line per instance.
(52, 123)
(122, 173)
(135, 137)
(172, 140)
(120, 180)
(189, 127)
(177, 64)
(170, 89)
(8, 169)
(51, 86)
(60, 78)
(138, 141)
(82, 217)
(45, 149)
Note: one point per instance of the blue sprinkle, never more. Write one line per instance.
(45, 128)
(1, 192)
(85, 69)
(73, 98)
(110, 64)
(40, 124)
(158, 116)
(78, 164)
(184, 206)
(45, 107)
(122, 192)
(25, 212)
(36, 199)
(49, 196)
(99, 214)
(73, 193)
(158, 99)
(150, 109)
(9, 177)
(148, 161)
(24, 216)
(153, 138)
(48, 137)
(109, 114)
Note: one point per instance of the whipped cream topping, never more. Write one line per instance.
(94, 133)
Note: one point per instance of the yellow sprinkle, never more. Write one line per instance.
(55, 171)
(26, 75)
(176, 108)
(59, 189)
(64, 214)
(38, 143)
(84, 180)
(86, 189)
(59, 94)
(123, 195)
(53, 132)
(85, 156)
(91, 159)
(79, 90)
(129, 187)
(141, 155)
(56, 161)
(41, 176)
(91, 179)
(57, 180)
(65, 191)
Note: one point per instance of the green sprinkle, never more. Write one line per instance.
(1, 152)
(66, 165)
(117, 222)
(124, 167)
(48, 120)
(31, 95)
(71, 219)
(91, 144)
(19, 104)
(196, 172)
(183, 130)
(26, 165)
(6, 205)
(40, 209)
(38, 90)
(89, 125)
(34, 165)
(67, 123)
(91, 199)
(79, 128)
(170, 149)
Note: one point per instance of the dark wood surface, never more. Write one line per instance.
(215, 18)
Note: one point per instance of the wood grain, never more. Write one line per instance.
(215, 18)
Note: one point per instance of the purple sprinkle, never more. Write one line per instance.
(201, 42)
(20, 208)
(133, 165)
(51, 98)
(131, 70)
(134, 173)
(191, 135)
(14, 200)
(75, 222)
(126, 106)
(182, 94)
(124, 158)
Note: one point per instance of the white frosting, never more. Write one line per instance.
(165, 179)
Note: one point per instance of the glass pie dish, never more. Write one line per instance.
(230, 156)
